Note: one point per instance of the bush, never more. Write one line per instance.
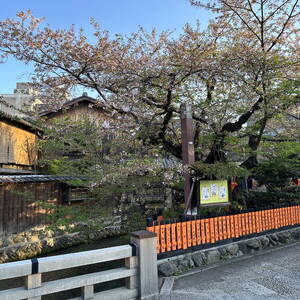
(277, 173)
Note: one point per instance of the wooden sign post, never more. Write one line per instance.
(188, 151)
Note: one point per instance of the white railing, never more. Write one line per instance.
(141, 281)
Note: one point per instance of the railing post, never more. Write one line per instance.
(131, 263)
(33, 281)
(145, 242)
(87, 292)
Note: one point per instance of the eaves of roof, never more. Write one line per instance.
(37, 178)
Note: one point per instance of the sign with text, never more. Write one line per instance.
(213, 192)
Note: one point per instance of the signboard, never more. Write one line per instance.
(213, 192)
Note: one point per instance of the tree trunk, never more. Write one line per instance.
(253, 143)
(217, 151)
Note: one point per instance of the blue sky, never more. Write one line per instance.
(116, 16)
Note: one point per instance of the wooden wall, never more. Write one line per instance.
(17, 145)
(18, 208)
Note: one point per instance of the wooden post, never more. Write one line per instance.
(187, 146)
(32, 282)
(145, 242)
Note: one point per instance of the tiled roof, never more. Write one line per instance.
(18, 122)
(36, 178)
(84, 98)
(170, 163)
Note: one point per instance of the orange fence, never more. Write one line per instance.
(196, 231)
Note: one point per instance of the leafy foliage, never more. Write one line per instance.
(116, 171)
(83, 148)
(277, 173)
(282, 165)
(217, 170)
(289, 195)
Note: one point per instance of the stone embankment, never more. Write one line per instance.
(42, 240)
(178, 264)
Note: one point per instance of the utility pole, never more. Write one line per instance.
(188, 151)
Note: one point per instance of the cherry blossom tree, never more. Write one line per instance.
(242, 70)
(261, 57)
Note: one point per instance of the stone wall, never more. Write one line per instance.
(178, 264)
(42, 240)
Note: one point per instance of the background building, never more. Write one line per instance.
(24, 98)
(82, 107)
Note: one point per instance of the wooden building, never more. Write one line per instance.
(21, 197)
(81, 107)
(20, 194)
(18, 139)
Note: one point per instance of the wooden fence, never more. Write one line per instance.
(18, 204)
(140, 271)
(196, 231)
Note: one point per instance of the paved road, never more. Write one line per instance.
(270, 275)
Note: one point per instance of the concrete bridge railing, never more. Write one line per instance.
(140, 271)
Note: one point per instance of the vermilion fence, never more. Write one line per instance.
(196, 231)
